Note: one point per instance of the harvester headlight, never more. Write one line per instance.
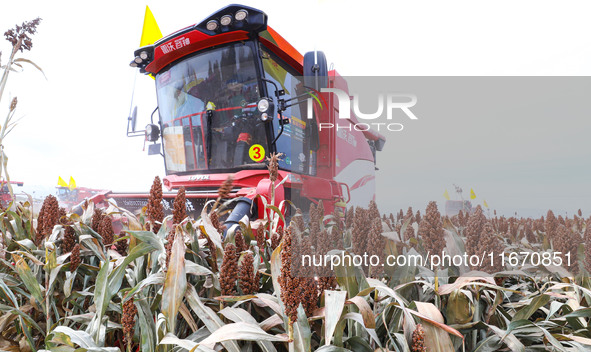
(144, 55)
(133, 64)
(212, 25)
(152, 132)
(263, 105)
(138, 60)
(226, 20)
(241, 15)
(264, 116)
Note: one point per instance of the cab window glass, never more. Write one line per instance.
(294, 142)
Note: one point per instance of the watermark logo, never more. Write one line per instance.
(387, 104)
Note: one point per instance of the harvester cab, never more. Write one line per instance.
(231, 91)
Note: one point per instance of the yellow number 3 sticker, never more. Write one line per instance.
(256, 153)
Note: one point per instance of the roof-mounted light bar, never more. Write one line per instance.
(212, 25)
(232, 18)
(143, 56)
(241, 15)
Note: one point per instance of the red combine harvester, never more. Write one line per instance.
(72, 197)
(230, 92)
(5, 197)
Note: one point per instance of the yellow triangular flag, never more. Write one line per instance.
(150, 33)
(61, 182)
(446, 195)
(484, 202)
(472, 194)
(72, 184)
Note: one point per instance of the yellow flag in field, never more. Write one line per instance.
(72, 184)
(472, 194)
(61, 182)
(485, 204)
(151, 32)
(446, 195)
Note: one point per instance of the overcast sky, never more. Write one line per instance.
(74, 122)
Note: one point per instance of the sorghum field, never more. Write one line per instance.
(69, 283)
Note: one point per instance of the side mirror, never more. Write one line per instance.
(152, 133)
(315, 70)
(134, 118)
(131, 123)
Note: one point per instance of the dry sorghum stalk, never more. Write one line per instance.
(400, 215)
(226, 188)
(97, 217)
(409, 233)
(418, 340)
(62, 213)
(529, 234)
(69, 239)
(168, 246)
(409, 215)
(418, 217)
(19, 36)
(213, 261)
(239, 241)
(155, 209)
(338, 220)
(260, 237)
(276, 238)
(289, 285)
(179, 207)
(13, 103)
(431, 230)
(316, 216)
(215, 221)
(324, 246)
(567, 242)
(475, 226)
(461, 218)
(489, 243)
(376, 244)
(40, 220)
(392, 219)
(326, 283)
(128, 319)
(372, 211)
(106, 230)
(309, 294)
(349, 217)
(229, 271)
(249, 281)
(361, 227)
(121, 245)
(588, 249)
(51, 214)
(329, 239)
(75, 258)
(551, 225)
(306, 284)
(273, 166)
(503, 225)
(298, 219)
(580, 213)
